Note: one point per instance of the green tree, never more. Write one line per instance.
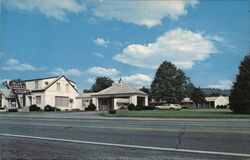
(148, 91)
(198, 97)
(101, 83)
(239, 100)
(170, 84)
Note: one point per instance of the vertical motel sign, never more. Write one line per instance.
(18, 88)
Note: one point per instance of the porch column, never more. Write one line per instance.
(133, 99)
(146, 101)
(95, 102)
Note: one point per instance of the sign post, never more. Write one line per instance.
(18, 87)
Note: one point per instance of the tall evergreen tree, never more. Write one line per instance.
(239, 100)
(170, 84)
(101, 83)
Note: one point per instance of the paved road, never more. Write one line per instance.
(39, 137)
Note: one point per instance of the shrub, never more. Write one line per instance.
(49, 108)
(91, 107)
(34, 107)
(13, 110)
(149, 107)
(112, 112)
(222, 106)
(131, 107)
(57, 109)
(139, 108)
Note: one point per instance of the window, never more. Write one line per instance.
(58, 86)
(62, 101)
(67, 87)
(36, 84)
(38, 99)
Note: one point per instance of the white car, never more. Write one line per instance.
(169, 106)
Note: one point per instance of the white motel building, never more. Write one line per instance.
(62, 93)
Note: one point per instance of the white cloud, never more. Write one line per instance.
(222, 84)
(138, 80)
(146, 13)
(13, 64)
(50, 8)
(91, 80)
(101, 42)
(100, 71)
(99, 55)
(68, 72)
(12, 61)
(215, 38)
(182, 47)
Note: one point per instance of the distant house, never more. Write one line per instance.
(211, 102)
(114, 97)
(54, 91)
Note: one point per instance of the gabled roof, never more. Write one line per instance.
(37, 79)
(215, 98)
(53, 82)
(119, 89)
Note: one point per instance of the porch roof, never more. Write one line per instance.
(119, 89)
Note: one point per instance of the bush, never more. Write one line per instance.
(139, 108)
(13, 110)
(112, 112)
(57, 109)
(49, 108)
(34, 107)
(131, 107)
(149, 107)
(222, 106)
(91, 107)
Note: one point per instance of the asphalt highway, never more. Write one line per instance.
(23, 137)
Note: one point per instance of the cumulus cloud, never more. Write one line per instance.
(68, 72)
(182, 47)
(137, 80)
(100, 71)
(222, 84)
(101, 42)
(51, 8)
(12, 61)
(99, 55)
(144, 13)
(14, 65)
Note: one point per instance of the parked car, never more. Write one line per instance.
(169, 106)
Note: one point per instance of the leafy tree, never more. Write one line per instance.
(148, 91)
(239, 100)
(170, 84)
(198, 97)
(101, 83)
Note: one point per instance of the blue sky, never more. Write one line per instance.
(119, 39)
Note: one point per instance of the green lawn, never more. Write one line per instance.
(184, 113)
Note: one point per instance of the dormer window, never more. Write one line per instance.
(58, 86)
(36, 84)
